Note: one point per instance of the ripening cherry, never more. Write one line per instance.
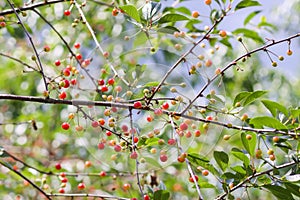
(66, 83)
(223, 33)
(67, 12)
(137, 104)
(105, 54)
(46, 48)
(183, 126)
(163, 158)
(188, 134)
(272, 157)
(171, 141)
(126, 186)
(195, 14)
(197, 133)
(275, 139)
(62, 174)
(208, 63)
(58, 166)
(57, 63)
(117, 148)
(66, 72)
(2, 24)
(88, 164)
(101, 121)
(149, 118)
(65, 125)
(289, 52)
(218, 71)
(134, 155)
(244, 117)
(95, 124)
(205, 172)
(81, 186)
(192, 180)
(77, 45)
(248, 137)
(101, 145)
(207, 2)
(115, 12)
(158, 112)
(73, 81)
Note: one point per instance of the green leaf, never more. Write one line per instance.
(152, 141)
(246, 98)
(266, 121)
(206, 185)
(172, 17)
(239, 169)
(168, 29)
(151, 84)
(273, 107)
(250, 16)
(203, 162)
(132, 11)
(246, 3)
(279, 192)
(240, 155)
(295, 113)
(295, 189)
(249, 145)
(161, 195)
(249, 34)
(253, 96)
(222, 159)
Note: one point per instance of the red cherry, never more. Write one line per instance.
(165, 106)
(102, 173)
(66, 72)
(124, 128)
(126, 186)
(105, 54)
(192, 180)
(79, 56)
(111, 81)
(58, 166)
(64, 180)
(101, 145)
(81, 186)
(183, 126)
(163, 158)
(95, 124)
(101, 121)
(149, 118)
(3, 24)
(104, 88)
(108, 133)
(117, 148)
(46, 48)
(146, 197)
(101, 82)
(158, 112)
(171, 141)
(65, 125)
(205, 172)
(210, 118)
(73, 81)
(67, 12)
(57, 63)
(137, 104)
(88, 163)
(62, 174)
(197, 133)
(134, 155)
(135, 139)
(77, 45)
(66, 83)
(115, 12)
(61, 190)
(63, 95)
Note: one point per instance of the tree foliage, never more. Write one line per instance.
(146, 100)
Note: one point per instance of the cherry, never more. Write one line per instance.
(149, 118)
(117, 148)
(171, 141)
(208, 63)
(197, 133)
(223, 33)
(272, 157)
(146, 197)
(209, 118)
(205, 172)
(63, 95)
(88, 164)
(64, 180)
(163, 158)
(77, 45)
(244, 117)
(195, 14)
(102, 174)
(207, 2)
(165, 106)
(101, 82)
(58, 166)
(66, 83)
(67, 12)
(275, 139)
(104, 88)
(133, 155)
(57, 63)
(78, 56)
(108, 133)
(248, 137)
(95, 124)
(61, 190)
(66, 72)
(111, 81)
(46, 48)
(218, 71)
(115, 12)
(105, 54)
(73, 81)
(62, 174)
(158, 112)
(183, 126)
(126, 186)
(270, 152)
(81, 186)
(135, 139)
(289, 52)
(258, 153)
(101, 145)
(101, 121)
(3, 24)
(65, 125)
(226, 137)
(78, 128)
(188, 134)
(192, 180)
(137, 104)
